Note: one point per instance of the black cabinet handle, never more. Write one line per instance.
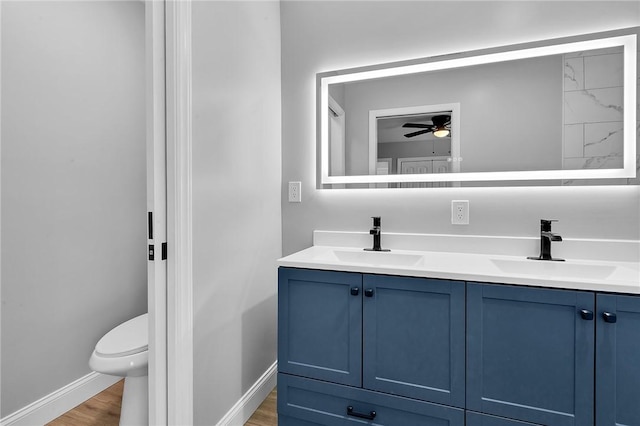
(609, 317)
(586, 314)
(368, 292)
(370, 416)
(355, 291)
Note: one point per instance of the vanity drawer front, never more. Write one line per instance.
(320, 325)
(477, 419)
(316, 402)
(292, 421)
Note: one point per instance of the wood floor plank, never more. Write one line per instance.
(101, 410)
(104, 410)
(267, 413)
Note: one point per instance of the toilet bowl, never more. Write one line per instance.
(124, 352)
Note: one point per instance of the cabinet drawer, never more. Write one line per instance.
(292, 421)
(477, 419)
(316, 402)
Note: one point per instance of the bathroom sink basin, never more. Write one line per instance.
(553, 269)
(374, 258)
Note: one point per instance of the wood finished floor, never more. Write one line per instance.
(104, 410)
(101, 410)
(267, 413)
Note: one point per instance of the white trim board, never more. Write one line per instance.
(157, 204)
(251, 400)
(60, 401)
(179, 215)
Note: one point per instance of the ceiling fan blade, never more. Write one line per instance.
(418, 125)
(419, 132)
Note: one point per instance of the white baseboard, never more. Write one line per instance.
(59, 402)
(251, 400)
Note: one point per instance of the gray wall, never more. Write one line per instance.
(236, 198)
(523, 98)
(73, 187)
(322, 36)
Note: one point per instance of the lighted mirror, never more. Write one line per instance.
(561, 112)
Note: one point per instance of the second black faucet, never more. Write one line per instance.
(546, 237)
(377, 233)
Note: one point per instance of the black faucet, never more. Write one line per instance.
(546, 236)
(376, 232)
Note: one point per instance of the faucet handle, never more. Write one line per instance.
(545, 224)
(376, 220)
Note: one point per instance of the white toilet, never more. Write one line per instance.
(124, 352)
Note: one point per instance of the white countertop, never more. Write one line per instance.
(594, 275)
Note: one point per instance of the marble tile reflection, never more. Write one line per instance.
(603, 139)
(573, 140)
(593, 106)
(603, 71)
(608, 162)
(574, 74)
(593, 114)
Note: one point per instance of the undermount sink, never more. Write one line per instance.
(374, 258)
(553, 269)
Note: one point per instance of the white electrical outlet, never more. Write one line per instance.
(295, 192)
(460, 212)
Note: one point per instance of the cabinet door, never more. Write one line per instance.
(530, 354)
(617, 360)
(414, 338)
(320, 324)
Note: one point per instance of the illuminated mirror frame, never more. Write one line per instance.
(509, 53)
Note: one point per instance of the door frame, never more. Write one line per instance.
(155, 102)
(168, 62)
(179, 308)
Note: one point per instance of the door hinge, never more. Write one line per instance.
(164, 251)
(151, 252)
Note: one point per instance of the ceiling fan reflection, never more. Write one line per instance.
(438, 128)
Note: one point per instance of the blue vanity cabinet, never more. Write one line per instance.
(530, 354)
(414, 338)
(384, 344)
(617, 360)
(320, 325)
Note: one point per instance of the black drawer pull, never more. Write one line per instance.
(370, 416)
(355, 291)
(586, 314)
(368, 292)
(609, 317)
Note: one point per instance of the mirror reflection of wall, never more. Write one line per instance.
(510, 122)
